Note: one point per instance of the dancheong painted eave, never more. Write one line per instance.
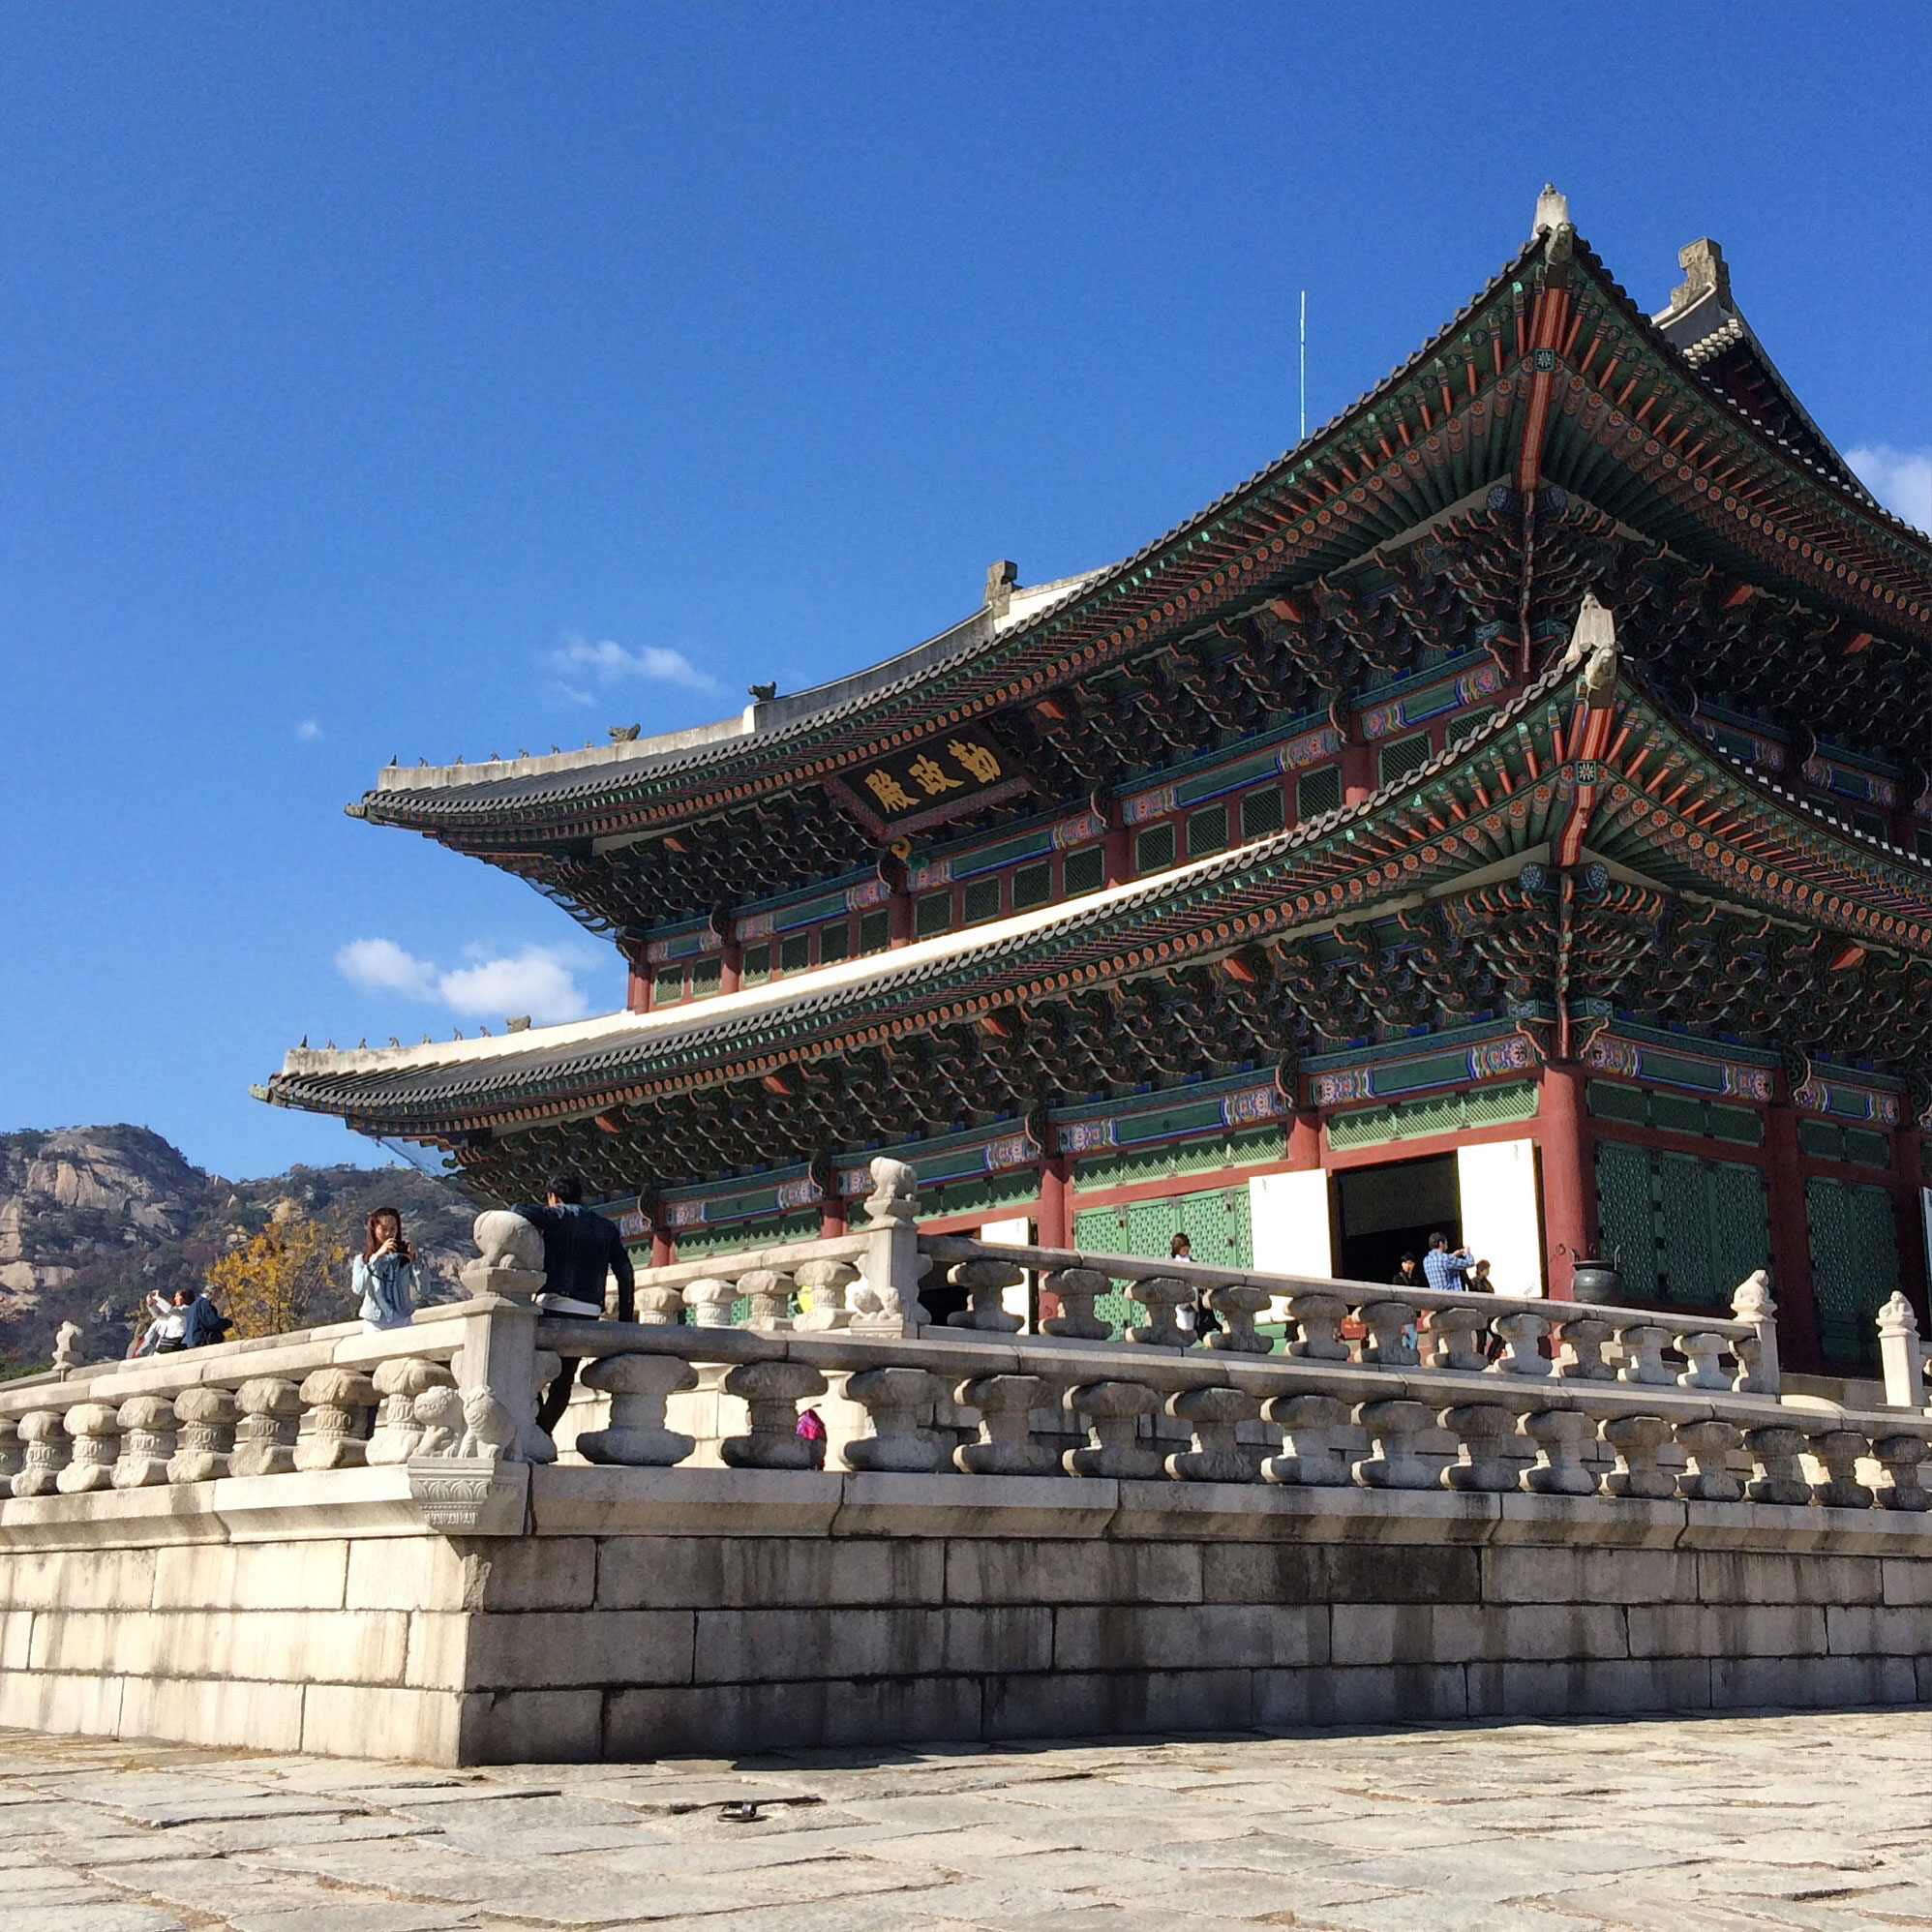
(1610, 387)
(1671, 815)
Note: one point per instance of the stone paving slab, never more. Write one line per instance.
(1763, 1822)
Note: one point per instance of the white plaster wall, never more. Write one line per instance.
(1498, 1180)
(1289, 1218)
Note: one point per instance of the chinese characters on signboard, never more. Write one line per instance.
(931, 781)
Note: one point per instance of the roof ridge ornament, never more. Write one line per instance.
(1594, 646)
(1706, 273)
(1002, 579)
(1553, 212)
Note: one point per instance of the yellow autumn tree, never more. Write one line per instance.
(288, 1276)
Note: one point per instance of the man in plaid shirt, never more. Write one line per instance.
(1443, 1269)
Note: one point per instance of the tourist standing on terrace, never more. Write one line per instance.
(1444, 1267)
(389, 1277)
(579, 1248)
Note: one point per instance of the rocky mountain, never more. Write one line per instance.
(94, 1218)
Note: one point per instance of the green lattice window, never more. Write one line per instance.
(795, 953)
(981, 900)
(1432, 1114)
(1685, 1229)
(1317, 792)
(1085, 870)
(1207, 832)
(1154, 849)
(1853, 1264)
(834, 941)
(1261, 812)
(932, 915)
(1674, 1113)
(1215, 1221)
(1404, 756)
(1033, 885)
(875, 931)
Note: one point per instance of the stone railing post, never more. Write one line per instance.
(1316, 1434)
(398, 1430)
(639, 1387)
(659, 1306)
(1899, 1484)
(95, 1433)
(1485, 1430)
(825, 1283)
(43, 1431)
(1704, 1355)
(1582, 1359)
(1392, 1462)
(897, 1400)
(498, 1365)
(1214, 1415)
(1901, 1354)
(1758, 1356)
(147, 1443)
(271, 1412)
(1007, 1445)
(1559, 1469)
(338, 1401)
(710, 1300)
(1522, 1334)
(1387, 1346)
(1837, 1451)
(1449, 1341)
(1319, 1317)
(1778, 1474)
(985, 1281)
(1706, 1447)
(771, 1392)
(1238, 1304)
(1643, 1360)
(1078, 1289)
(1162, 1297)
(13, 1452)
(771, 1295)
(1113, 1413)
(1636, 1440)
(204, 1434)
(889, 1288)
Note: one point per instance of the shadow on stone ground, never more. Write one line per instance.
(1768, 1820)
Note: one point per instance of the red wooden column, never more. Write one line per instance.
(1056, 1201)
(1905, 1196)
(1791, 1242)
(663, 1249)
(1567, 1182)
(833, 1221)
(636, 981)
(1358, 772)
(731, 966)
(1119, 851)
(1304, 1140)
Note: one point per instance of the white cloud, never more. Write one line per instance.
(539, 980)
(307, 730)
(577, 662)
(382, 967)
(1901, 479)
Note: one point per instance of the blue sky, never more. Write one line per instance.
(422, 379)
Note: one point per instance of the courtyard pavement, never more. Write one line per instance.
(1775, 1821)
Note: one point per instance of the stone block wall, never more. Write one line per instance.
(700, 1611)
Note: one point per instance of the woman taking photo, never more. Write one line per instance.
(388, 1276)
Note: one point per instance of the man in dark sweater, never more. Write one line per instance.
(580, 1249)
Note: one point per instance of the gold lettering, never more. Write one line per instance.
(931, 779)
(977, 759)
(890, 792)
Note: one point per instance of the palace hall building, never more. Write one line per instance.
(1508, 814)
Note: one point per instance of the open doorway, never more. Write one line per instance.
(1390, 1210)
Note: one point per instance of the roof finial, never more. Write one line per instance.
(1553, 211)
(1000, 578)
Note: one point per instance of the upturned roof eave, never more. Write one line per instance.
(623, 1047)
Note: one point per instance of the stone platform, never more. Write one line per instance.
(645, 1613)
(1726, 1825)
